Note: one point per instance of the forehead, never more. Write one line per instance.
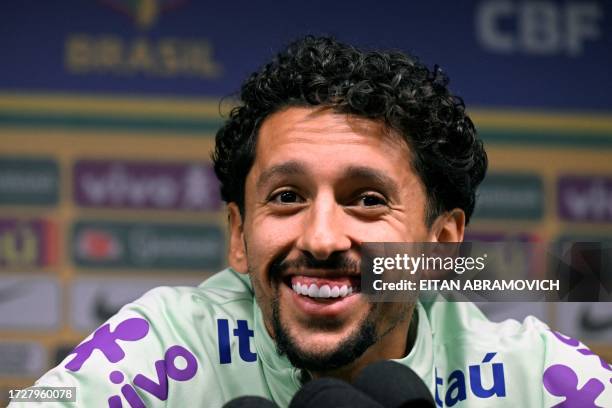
(322, 133)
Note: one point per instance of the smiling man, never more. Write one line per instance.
(331, 147)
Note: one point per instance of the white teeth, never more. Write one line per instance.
(324, 291)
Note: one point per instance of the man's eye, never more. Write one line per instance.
(371, 200)
(286, 197)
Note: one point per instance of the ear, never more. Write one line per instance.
(449, 227)
(237, 250)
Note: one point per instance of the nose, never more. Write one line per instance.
(324, 231)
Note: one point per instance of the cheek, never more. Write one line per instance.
(266, 240)
(268, 235)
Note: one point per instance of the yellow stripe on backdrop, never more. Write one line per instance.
(554, 122)
(507, 119)
(112, 105)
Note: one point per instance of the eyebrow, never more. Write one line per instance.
(293, 167)
(289, 168)
(375, 176)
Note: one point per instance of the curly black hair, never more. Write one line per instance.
(391, 87)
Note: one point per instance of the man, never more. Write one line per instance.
(330, 147)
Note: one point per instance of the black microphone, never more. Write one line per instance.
(331, 393)
(394, 386)
(250, 401)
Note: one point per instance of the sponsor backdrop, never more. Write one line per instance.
(108, 111)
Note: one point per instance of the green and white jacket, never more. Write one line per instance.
(203, 346)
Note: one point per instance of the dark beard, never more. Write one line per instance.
(348, 350)
(345, 353)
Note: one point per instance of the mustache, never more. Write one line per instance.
(339, 261)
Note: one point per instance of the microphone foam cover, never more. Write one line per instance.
(394, 386)
(331, 393)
